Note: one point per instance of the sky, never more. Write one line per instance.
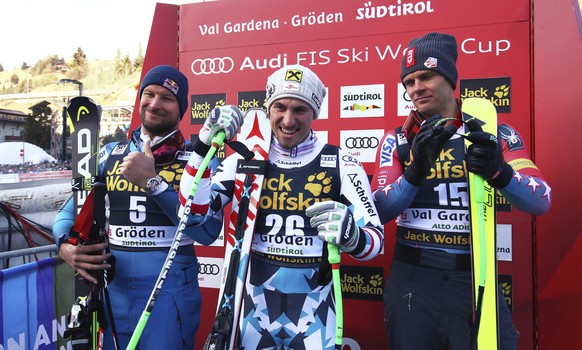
(35, 29)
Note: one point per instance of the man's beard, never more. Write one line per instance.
(159, 129)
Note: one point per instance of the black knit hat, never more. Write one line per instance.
(434, 51)
(170, 78)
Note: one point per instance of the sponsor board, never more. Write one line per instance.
(504, 245)
(209, 272)
(362, 282)
(496, 90)
(361, 144)
(360, 101)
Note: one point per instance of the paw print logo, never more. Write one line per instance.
(501, 91)
(318, 183)
(506, 289)
(172, 173)
(376, 280)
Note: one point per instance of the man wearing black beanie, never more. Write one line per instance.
(142, 177)
(420, 179)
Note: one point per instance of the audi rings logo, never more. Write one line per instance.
(216, 65)
(209, 269)
(362, 142)
(350, 159)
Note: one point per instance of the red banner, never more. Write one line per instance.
(227, 52)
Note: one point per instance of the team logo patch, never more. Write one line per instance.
(431, 62)
(513, 140)
(401, 139)
(318, 183)
(410, 61)
(119, 149)
(294, 75)
(387, 150)
(171, 85)
(316, 100)
(327, 161)
(291, 87)
(349, 159)
(184, 156)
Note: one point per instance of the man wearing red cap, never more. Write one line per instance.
(142, 176)
(428, 295)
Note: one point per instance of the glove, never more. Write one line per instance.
(484, 156)
(228, 118)
(426, 147)
(335, 224)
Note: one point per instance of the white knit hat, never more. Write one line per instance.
(296, 81)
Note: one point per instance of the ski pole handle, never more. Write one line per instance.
(217, 142)
(333, 256)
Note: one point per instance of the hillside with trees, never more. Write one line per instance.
(116, 79)
(43, 76)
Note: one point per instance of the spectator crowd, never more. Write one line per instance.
(28, 167)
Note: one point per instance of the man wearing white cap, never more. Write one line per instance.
(321, 191)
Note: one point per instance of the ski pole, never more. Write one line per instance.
(217, 141)
(333, 256)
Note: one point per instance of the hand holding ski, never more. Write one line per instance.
(87, 239)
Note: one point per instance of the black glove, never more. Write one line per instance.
(426, 147)
(484, 158)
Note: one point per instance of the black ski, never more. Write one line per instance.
(85, 318)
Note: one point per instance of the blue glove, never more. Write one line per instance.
(335, 224)
(228, 118)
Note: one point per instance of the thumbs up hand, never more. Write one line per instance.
(138, 167)
(147, 149)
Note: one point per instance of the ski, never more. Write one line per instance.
(84, 116)
(483, 237)
(256, 134)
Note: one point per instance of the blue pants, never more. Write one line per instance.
(431, 309)
(176, 314)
